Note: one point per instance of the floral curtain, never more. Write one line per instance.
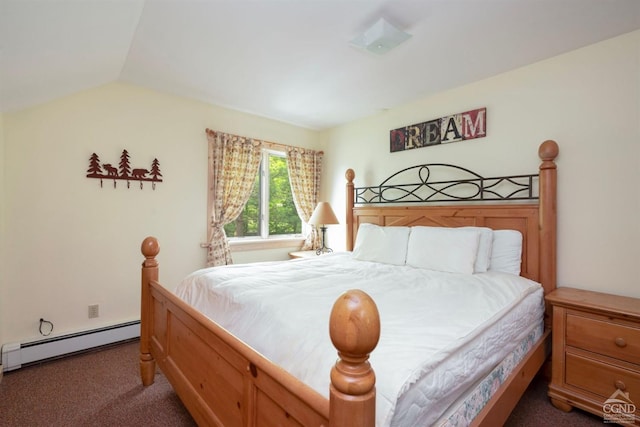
(233, 164)
(305, 167)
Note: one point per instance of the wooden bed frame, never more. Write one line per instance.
(224, 382)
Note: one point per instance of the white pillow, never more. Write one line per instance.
(506, 255)
(381, 244)
(444, 249)
(483, 258)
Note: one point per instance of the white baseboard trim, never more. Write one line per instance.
(17, 355)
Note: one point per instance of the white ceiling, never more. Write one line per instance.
(288, 60)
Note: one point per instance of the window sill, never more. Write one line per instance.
(261, 244)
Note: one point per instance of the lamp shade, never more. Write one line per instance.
(323, 215)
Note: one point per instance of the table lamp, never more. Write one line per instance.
(322, 216)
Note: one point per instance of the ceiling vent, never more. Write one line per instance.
(380, 38)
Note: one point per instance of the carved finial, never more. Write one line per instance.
(350, 175)
(150, 249)
(548, 150)
(355, 330)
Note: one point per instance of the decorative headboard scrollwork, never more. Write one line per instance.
(415, 185)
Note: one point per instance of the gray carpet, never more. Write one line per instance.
(102, 388)
(535, 410)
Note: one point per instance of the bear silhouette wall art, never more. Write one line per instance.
(124, 171)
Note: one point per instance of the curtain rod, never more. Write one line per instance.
(268, 144)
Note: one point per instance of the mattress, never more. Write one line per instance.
(469, 405)
(441, 332)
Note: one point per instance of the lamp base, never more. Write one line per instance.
(323, 249)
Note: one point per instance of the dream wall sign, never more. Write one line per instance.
(457, 127)
(123, 171)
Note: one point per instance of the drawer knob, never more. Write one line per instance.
(620, 342)
(620, 385)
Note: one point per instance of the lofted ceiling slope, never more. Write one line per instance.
(288, 60)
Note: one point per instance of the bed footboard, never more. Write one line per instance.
(224, 382)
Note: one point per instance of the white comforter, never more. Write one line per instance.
(282, 310)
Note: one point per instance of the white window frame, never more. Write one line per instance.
(264, 240)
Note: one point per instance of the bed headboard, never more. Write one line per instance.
(526, 203)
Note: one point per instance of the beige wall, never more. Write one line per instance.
(587, 100)
(73, 243)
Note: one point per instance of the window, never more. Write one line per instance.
(270, 211)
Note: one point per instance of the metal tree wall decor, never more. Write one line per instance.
(123, 171)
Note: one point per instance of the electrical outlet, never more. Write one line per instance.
(94, 311)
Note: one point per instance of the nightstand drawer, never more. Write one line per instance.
(596, 349)
(602, 337)
(600, 378)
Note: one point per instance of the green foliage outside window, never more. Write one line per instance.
(283, 217)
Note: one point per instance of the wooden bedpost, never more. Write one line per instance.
(149, 249)
(548, 152)
(355, 330)
(350, 175)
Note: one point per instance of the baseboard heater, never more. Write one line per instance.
(18, 355)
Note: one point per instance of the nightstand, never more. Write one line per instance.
(302, 254)
(596, 354)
